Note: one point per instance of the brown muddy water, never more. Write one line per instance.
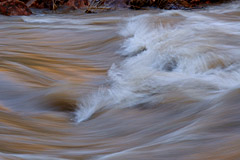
(122, 85)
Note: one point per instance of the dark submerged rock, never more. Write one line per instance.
(14, 8)
(40, 4)
(173, 4)
(55, 4)
(77, 3)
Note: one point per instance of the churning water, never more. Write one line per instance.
(124, 85)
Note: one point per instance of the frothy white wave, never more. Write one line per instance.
(61, 22)
(41, 19)
(171, 57)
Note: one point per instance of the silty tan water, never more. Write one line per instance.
(124, 85)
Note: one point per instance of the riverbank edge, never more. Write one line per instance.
(23, 7)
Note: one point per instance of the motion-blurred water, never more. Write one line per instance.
(122, 85)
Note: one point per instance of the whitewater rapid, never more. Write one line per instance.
(121, 85)
(172, 56)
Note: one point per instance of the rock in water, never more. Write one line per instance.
(14, 8)
(173, 4)
(77, 3)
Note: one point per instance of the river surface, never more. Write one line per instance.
(121, 85)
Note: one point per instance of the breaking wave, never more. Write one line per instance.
(171, 57)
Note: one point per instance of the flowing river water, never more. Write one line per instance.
(121, 85)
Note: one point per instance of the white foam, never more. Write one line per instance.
(70, 23)
(189, 51)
